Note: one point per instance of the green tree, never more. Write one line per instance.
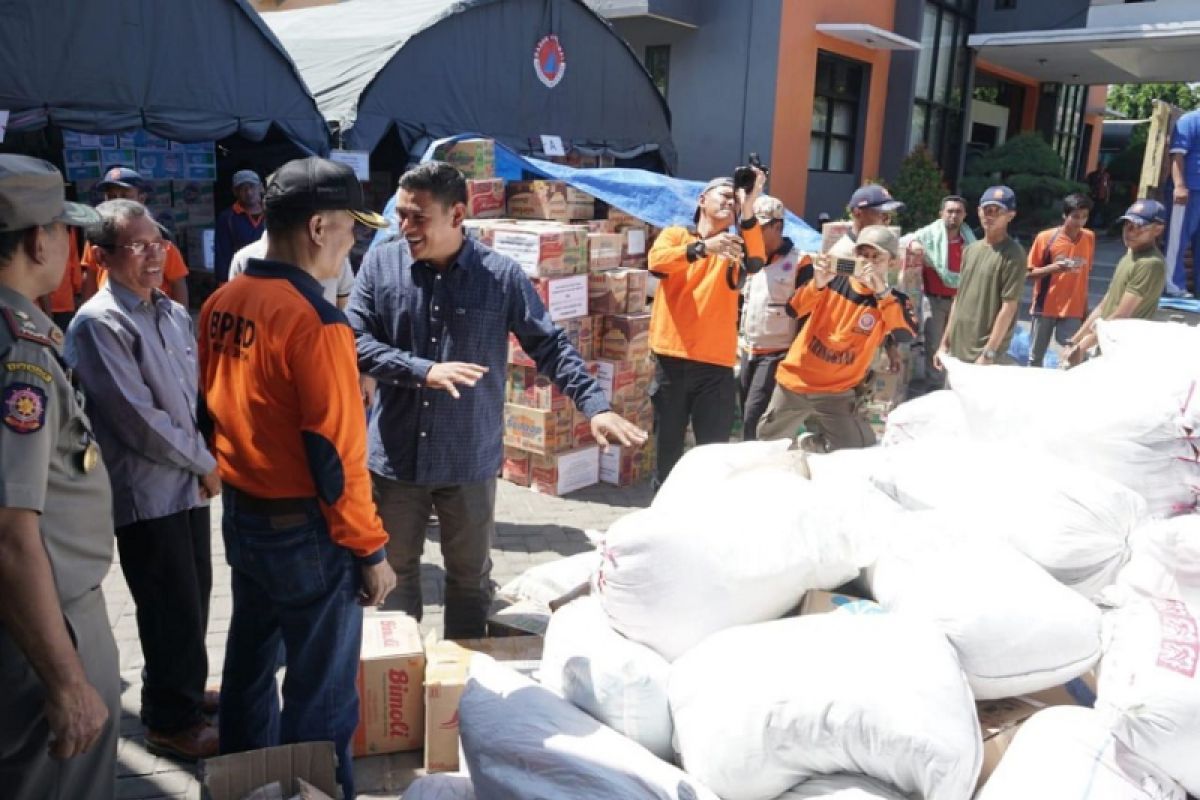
(1134, 99)
(921, 185)
(1031, 168)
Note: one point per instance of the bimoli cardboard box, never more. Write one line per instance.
(831, 232)
(580, 204)
(565, 298)
(581, 430)
(539, 200)
(515, 468)
(233, 777)
(604, 250)
(537, 431)
(816, 601)
(999, 720)
(637, 281)
(445, 679)
(543, 251)
(481, 230)
(563, 473)
(621, 218)
(607, 292)
(626, 337)
(613, 376)
(475, 158)
(391, 668)
(581, 332)
(516, 355)
(625, 466)
(485, 198)
(636, 246)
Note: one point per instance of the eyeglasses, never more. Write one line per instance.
(149, 248)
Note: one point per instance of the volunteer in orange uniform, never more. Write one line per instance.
(693, 327)
(302, 536)
(1060, 263)
(63, 301)
(848, 318)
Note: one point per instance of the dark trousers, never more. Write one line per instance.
(466, 521)
(292, 585)
(689, 391)
(757, 378)
(167, 563)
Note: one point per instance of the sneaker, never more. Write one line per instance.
(810, 442)
(1175, 292)
(190, 744)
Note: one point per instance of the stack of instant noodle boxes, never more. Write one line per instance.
(591, 274)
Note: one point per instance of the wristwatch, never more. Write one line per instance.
(990, 355)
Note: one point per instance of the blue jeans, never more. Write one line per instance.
(291, 585)
(1190, 236)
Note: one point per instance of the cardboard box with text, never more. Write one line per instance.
(391, 670)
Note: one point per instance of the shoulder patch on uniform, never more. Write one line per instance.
(33, 369)
(24, 407)
(23, 327)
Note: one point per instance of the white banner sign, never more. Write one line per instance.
(359, 160)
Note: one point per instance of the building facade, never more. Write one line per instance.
(834, 92)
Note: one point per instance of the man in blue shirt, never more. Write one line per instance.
(1185, 173)
(432, 311)
(240, 224)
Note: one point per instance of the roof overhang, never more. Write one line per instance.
(865, 35)
(1158, 53)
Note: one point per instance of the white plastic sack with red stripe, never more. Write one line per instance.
(1149, 686)
(1166, 560)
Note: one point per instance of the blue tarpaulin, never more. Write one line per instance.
(657, 199)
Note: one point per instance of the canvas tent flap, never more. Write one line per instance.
(187, 70)
(438, 67)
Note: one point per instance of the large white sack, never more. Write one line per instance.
(618, 681)
(523, 742)
(937, 415)
(1068, 753)
(1166, 560)
(745, 551)
(1015, 628)
(702, 469)
(761, 708)
(545, 583)
(443, 786)
(1073, 523)
(1143, 339)
(1149, 688)
(843, 786)
(850, 465)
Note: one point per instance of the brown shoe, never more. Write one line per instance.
(189, 744)
(211, 703)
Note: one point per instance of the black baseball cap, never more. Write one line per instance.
(318, 184)
(875, 196)
(1144, 212)
(123, 177)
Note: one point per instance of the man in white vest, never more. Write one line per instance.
(767, 330)
(941, 244)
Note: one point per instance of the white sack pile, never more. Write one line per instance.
(545, 583)
(844, 786)
(1166, 560)
(1015, 628)
(937, 415)
(619, 682)
(444, 786)
(880, 695)
(523, 742)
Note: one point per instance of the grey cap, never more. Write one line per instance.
(244, 176)
(768, 209)
(879, 237)
(715, 183)
(32, 193)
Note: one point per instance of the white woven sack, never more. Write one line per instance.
(444, 786)
(702, 469)
(1149, 687)
(618, 681)
(544, 583)
(1015, 628)
(746, 550)
(937, 415)
(844, 786)
(1068, 752)
(1166, 560)
(878, 694)
(522, 741)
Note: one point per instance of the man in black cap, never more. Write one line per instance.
(869, 205)
(60, 701)
(1138, 281)
(302, 535)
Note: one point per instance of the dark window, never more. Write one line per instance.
(658, 64)
(1006, 5)
(1068, 126)
(942, 69)
(839, 86)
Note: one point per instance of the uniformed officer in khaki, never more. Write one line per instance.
(59, 685)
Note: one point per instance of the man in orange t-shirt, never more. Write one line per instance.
(693, 324)
(848, 318)
(1060, 263)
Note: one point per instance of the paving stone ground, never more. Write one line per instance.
(531, 529)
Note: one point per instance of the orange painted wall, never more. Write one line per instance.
(798, 46)
(1097, 99)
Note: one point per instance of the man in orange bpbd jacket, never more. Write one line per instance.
(302, 536)
(693, 326)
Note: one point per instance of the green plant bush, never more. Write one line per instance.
(921, 185)
(1028, 165)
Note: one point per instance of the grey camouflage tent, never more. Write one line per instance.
(187, 70)
(509, 69)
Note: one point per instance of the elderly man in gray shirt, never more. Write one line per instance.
(135, 351)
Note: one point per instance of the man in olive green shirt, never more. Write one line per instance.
(993, 275)
(1138, 281)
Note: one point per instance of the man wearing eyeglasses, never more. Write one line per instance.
(135, 351)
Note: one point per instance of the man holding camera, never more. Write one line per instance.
(693, 327)
(1060, 263)
(767, 328)
(850, 310)
(993, 276)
